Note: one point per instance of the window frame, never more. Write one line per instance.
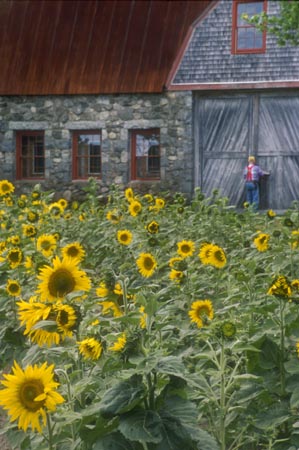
(76, 156)
(20, 158)
(235, 49)
(133, 135)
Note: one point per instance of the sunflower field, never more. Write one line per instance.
(143, 322)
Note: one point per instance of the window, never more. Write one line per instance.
(245, 37)
(30, 162)
(87, 154)
(145, 146)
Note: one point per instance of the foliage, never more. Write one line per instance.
(285, 26)
(135, 368)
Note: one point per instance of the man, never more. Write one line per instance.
(252, 175)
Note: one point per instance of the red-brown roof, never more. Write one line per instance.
(91, 46)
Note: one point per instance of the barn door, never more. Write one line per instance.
(223, 135)
(278, 147)
(230, 127)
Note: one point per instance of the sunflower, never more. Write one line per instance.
(129, 194)
(108, 306)
(124, 237)
(153, 227)
(295, 239)
(13, 288)
(159, 203)
(66, 318)
(8, 201)
(46, 244)
(176, 275)
(114, 216)
(14, 257)
(32, 216)
(6, 187)
(201, 312)
(63, 203)
(146, 264)
(143, 318)
(297, 348)
(280, 287)
(29, 394)
(56, 210)
(31, 312)
(90, 348)
(262, 242)
(205, 253)
(119, 344)
(135, 208)
(217, 257)
(61, 279)
(174, 262)
(73, 250)
(148, 197)
(29, 230)
(271, 214)
(102, 291)
(185, 248)
(2, 246)
(14, 240)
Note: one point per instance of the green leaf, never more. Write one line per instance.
(141, 425)
(294, 400)
(94, 430)
(114, 441)
(122, 397)
(292, 366)
(171, 365)
(175, 435)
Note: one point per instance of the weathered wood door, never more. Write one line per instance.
(228, 127)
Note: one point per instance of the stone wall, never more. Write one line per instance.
(115, 115)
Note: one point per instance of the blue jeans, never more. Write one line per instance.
(252, 194)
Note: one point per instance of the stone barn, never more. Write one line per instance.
(156, 95)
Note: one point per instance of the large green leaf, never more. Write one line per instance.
(115, 441)
(122, 397)
(141, 425)
(171, 365)
(175, 435)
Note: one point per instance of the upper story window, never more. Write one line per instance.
(145, 151)
(87, 161)
(246, 38)
(30, 153)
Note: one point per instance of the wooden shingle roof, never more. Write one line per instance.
(91, 46)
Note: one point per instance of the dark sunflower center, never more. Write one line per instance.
(73, 252)
(5, 188)
(203, 311)
(148, 263)
(46, 245)
(13, 288)
(63, 318)
(14, 256)
(219, 255)
(61, 283)
(185, 248)
(28, 392)
(124, 237)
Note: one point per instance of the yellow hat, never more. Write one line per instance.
(251, 159)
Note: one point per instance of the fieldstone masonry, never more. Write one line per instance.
(115, 116)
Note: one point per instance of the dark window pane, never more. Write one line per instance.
(147, 154)
(32, 161)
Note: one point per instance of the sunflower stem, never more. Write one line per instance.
(222, 397)
(50, 432)
(282, 345)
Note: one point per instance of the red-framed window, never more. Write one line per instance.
(87, 158)
(30, 155)
(145, 154)
(246, 38)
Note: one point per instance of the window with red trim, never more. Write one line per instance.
(246, 38)
(30, 153)
(87, 158)
(145, 151)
